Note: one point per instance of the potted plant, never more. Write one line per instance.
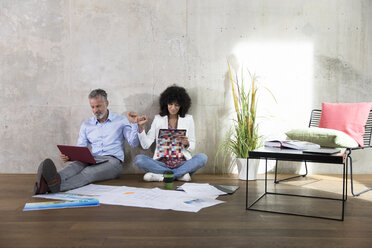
(243, 136)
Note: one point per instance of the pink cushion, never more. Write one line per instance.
(349, 118)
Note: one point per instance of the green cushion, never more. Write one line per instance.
(323, 136)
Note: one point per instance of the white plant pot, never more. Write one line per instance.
(252, 170)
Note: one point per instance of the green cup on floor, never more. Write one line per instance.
(168, 179)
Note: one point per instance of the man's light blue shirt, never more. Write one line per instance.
(107, 138)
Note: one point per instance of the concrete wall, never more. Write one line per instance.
(52, 53)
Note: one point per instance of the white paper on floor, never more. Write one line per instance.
(203, 190)
(194, 197)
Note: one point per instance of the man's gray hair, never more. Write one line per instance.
(98, 92)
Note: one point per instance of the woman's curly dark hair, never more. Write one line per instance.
(173, 94)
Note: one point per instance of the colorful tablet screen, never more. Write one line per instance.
(169, 145)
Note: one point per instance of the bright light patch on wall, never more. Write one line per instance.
(286, 68)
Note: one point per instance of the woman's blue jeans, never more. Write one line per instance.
(189, 166)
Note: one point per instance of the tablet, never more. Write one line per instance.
(171, 133)
(226, 188)
(168, 145)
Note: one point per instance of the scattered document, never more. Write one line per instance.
(93, 189)
(194, 197)
(201, 190)
(60, 204)
(150, 198)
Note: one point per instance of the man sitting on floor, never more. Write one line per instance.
(105, 132)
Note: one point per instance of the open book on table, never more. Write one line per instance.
(293, 144)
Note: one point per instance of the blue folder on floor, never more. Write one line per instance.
(60, 204)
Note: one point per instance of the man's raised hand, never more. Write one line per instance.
(132, 117)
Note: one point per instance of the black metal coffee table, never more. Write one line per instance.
(296, 155)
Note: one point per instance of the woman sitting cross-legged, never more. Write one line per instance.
(174, 104)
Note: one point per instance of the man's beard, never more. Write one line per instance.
(99, 117)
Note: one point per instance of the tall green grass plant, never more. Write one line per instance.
(243, 136)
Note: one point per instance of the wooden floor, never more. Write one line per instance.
(224, 225)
